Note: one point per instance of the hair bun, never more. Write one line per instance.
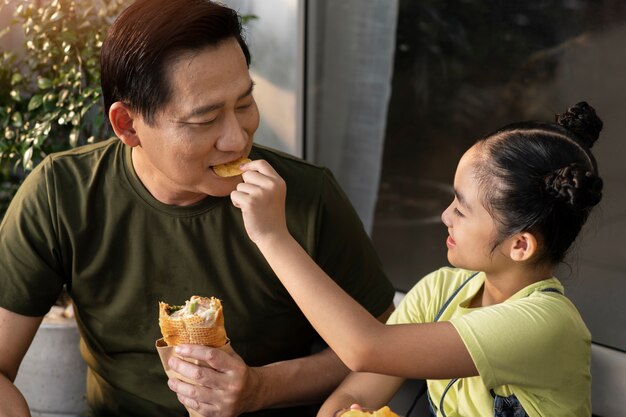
(582, 120)
(575, 186)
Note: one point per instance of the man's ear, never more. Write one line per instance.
(122, 120)
(523, 246)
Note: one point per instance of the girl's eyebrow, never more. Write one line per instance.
(459, 196)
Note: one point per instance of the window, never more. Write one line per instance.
(463, 69)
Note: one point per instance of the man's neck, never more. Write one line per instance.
(161, 187)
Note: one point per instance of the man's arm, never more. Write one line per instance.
(311, 381)
(233, 388)
(20, 331)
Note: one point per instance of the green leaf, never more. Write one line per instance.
(74, 137)
(16, 78)
(26, 159)
(44, 83)
(35, 102)
(63, 95)
(16, 119)
(56, 16)
(9, 134)
(15, 95)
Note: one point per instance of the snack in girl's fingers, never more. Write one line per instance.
(382, 412)
(230, 169)
(200, 321)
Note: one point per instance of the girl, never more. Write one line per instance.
(494, 335)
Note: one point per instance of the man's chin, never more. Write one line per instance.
(223, 187)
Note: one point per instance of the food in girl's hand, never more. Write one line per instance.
(200, 321)
(382, 412)
(230, 169)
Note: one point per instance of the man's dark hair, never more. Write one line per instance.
(147, 36)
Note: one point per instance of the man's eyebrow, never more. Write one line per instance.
(199, 111)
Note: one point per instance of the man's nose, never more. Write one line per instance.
(233, 137)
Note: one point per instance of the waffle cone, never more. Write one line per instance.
(192, 329)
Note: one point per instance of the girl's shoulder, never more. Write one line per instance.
(429, 294)
(449, 279)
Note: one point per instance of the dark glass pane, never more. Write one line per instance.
(465, 68)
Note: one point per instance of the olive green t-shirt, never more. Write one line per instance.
(82, 218)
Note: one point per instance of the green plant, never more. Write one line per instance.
(50, 97)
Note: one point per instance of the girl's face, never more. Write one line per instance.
(471, 228)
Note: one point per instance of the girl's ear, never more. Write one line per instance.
(122, 121)
(524, 245)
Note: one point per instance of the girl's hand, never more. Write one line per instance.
(261, 198)
(339, 413)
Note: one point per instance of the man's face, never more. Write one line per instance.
(210, 120)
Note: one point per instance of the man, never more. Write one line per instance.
(126, 223)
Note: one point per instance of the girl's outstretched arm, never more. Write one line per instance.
(365, 389)
(433, 350)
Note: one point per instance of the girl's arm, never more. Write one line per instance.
(368, 390)
(433, 350)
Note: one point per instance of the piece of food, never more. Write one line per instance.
(230, 169)
(200, 321)
(382, 412)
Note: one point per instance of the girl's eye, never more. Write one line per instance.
(458, 213)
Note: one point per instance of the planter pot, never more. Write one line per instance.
(52, 375)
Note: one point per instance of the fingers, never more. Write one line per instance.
(258, 186)
(214, 358)
(215, 367)
(259, 165)
(218, 381)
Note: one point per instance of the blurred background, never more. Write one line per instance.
(390, 93)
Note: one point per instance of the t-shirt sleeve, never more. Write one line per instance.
(417, 304)
(522, 341)
(345, 251)
(30, 271)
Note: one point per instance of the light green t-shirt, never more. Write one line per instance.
(534, 345)
(82, 218)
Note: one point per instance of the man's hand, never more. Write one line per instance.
(226, 386)
(261, 198)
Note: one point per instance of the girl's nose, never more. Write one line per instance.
(445, 216)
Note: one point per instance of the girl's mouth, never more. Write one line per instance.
(450, 243)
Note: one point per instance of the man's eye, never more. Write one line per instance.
(203, 123)
(244, 106)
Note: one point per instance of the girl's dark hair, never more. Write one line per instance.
(147, 36)
(542, 178)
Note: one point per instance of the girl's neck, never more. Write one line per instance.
(499, 287)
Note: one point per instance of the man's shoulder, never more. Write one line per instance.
(86, 151)
(85, 161)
